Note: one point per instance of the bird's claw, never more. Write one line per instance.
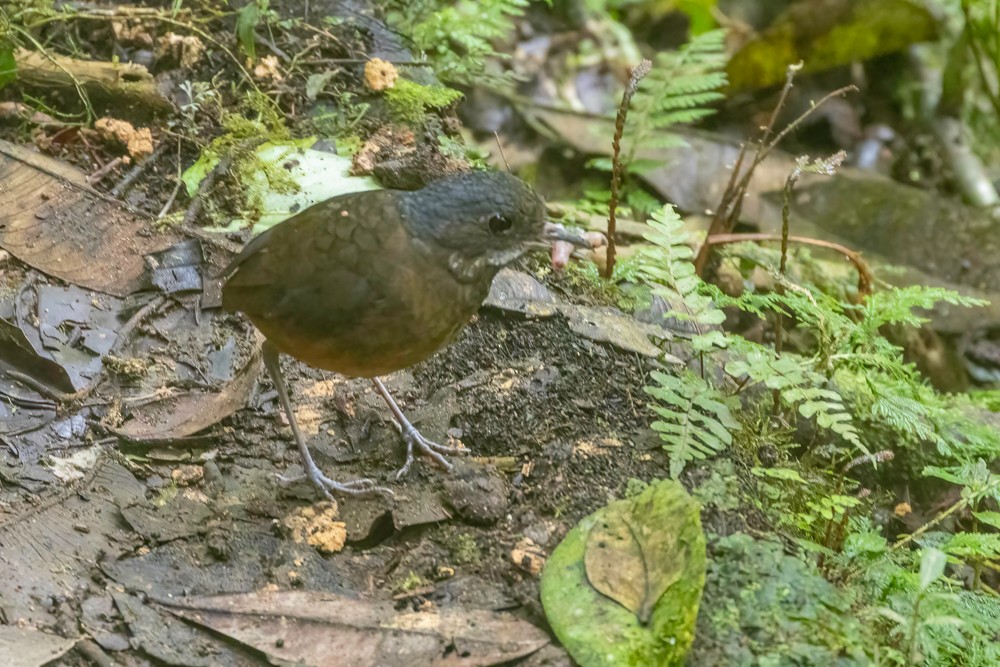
(359, 488)
(434, 451)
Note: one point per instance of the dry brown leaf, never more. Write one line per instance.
(182, 415)
(633, 559)
(320, 629)
(52, 221)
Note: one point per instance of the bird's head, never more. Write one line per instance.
(483, 220)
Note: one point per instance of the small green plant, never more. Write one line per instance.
(247, 21)
(677, 90)
(411, 582)
(457, 36)
(464, 549)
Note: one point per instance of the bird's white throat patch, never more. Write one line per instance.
(468, 269)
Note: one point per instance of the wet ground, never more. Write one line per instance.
(555, 423)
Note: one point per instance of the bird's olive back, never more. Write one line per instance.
(476, 213)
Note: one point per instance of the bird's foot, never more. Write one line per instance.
(417, 442)
(328, 487)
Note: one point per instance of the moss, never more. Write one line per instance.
(464, 549)
(256, 121)
(763, 607)
(621, 291)
(409, 101)
(412, 582)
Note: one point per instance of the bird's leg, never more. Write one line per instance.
(412, 436)
(358, 487)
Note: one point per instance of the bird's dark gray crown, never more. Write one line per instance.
(476, 213)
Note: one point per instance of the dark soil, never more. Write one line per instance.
(556, 425)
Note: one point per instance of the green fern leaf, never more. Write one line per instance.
(695, 418)
(668, 268)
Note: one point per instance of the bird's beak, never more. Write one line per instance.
(553, 231)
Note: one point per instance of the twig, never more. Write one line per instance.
(638, 72)
(779, 320)
(27, 402)
(40, 387)
(177, 187)
(96, 177)
(125, 333)
(207, 183)
(138, 170)
(496, 135)
(170, 200)
(865, 277)
(731, 204)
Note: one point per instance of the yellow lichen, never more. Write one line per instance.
(380, 75)
(316, 526)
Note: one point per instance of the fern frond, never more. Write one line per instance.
(668, 268)
(800, 387)
(979, 546)
(457, 35)
(896, 306)
(695, 418)
(678, 90)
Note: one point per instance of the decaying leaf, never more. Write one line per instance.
(631, 559)
(315, 628)
(317, 176)
(178, 416)
(45, 554)
(623, 587)
(23, 647)
(52, 221)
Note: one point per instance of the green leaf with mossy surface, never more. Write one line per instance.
(623, 587)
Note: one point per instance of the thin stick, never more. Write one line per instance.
(638, 72)
(865, 276)
(138, 170)
(728, 212)
(177, 187)
(496, 135)
(98, 175)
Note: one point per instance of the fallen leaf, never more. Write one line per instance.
(623, 587)
(631, 559)
(609, 325)
(24, 647)
(52, 221)
(322, 629)
(182, 415)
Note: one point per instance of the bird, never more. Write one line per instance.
(369, 283)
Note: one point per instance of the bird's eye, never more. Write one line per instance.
(499, 223)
